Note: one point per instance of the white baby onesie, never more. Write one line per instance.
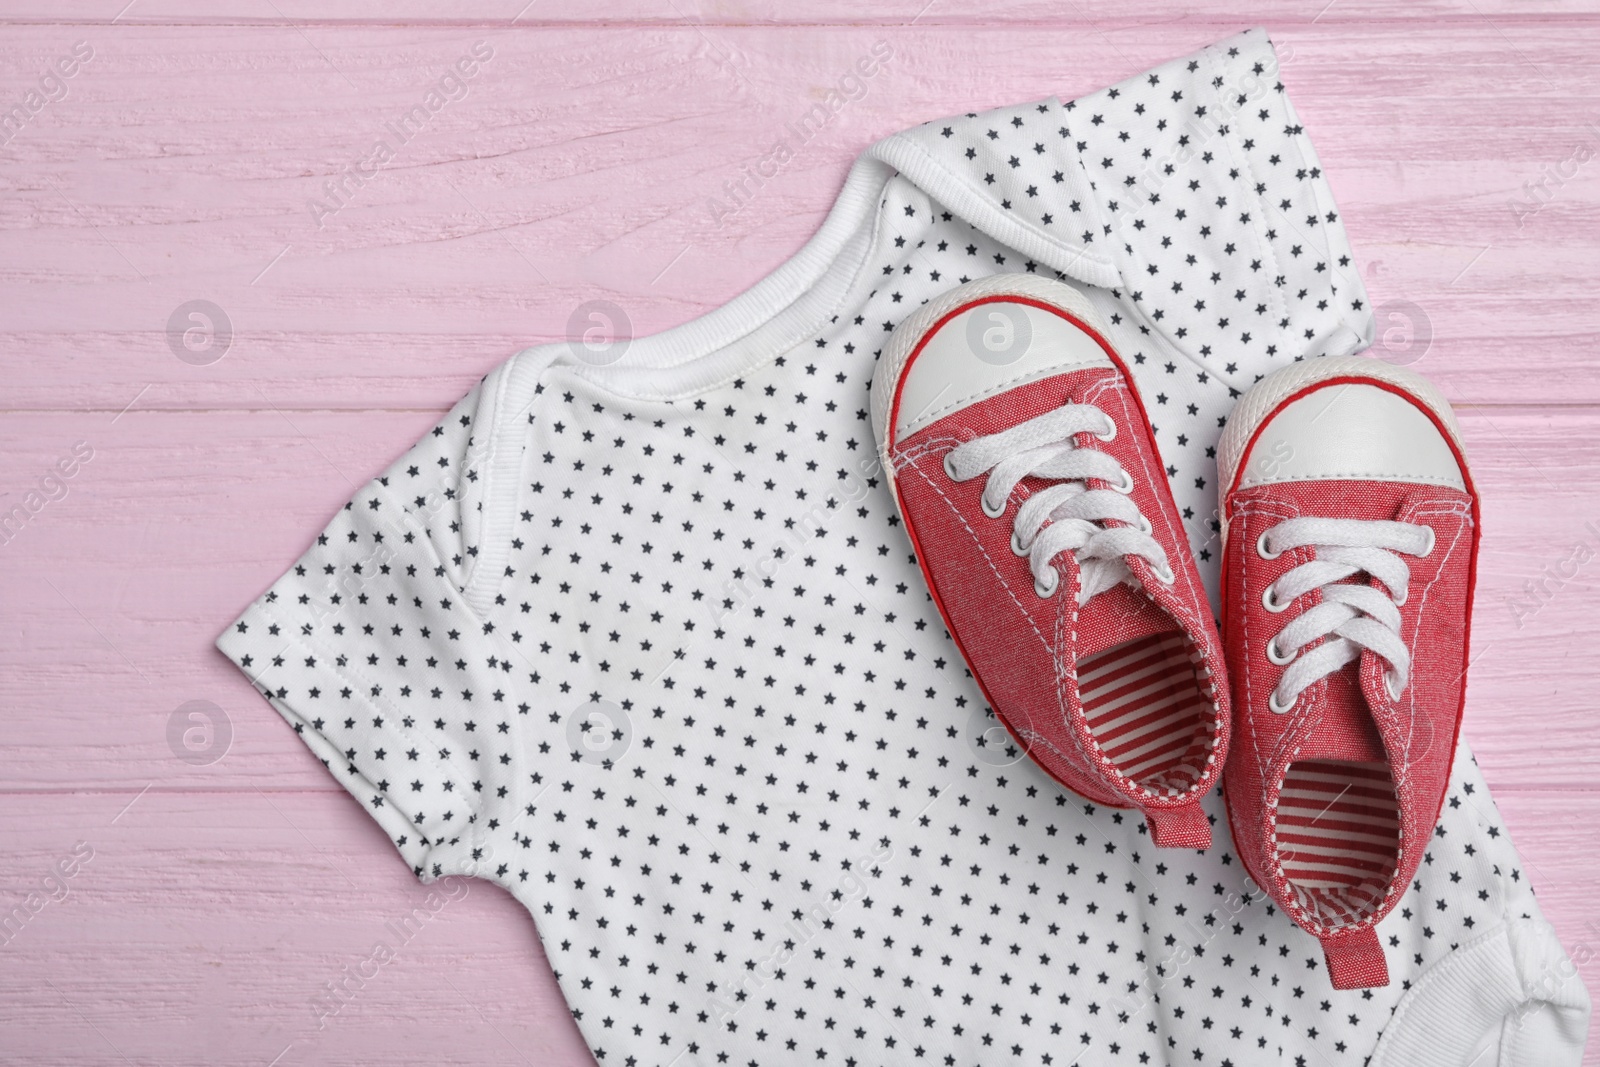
(637, 636)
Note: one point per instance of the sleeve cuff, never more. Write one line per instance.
(409, 782)
(1510, 998)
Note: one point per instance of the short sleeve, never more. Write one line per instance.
(1229, 239)
(369, 648)
(1192, 190)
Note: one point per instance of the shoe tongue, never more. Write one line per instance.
(1346, 729)
(1116, 616)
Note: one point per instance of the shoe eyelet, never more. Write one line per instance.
(1016, 545)
(983, 498)
(1166, 575)
(1277, 657)
(949, 470)
(1127, 484)
(1145, 527)
(1275, 707)
(1271, 603)
(1389, 687)
(1433, 539)
(1110, 435)
(1261, 547)
(1046, 591)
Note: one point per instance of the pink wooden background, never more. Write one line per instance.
(177, 166)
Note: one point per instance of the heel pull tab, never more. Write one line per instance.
(1184, 826)
(1355, 960)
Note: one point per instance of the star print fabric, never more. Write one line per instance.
(644, 644)
(373, 622)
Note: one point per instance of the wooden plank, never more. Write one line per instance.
(580, 164)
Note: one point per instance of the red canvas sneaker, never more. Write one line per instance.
(1024, 466)
(1350, 531)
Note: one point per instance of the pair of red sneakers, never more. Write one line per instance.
(1026, 471)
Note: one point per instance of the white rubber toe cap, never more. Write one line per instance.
(973, 343)
(1342, 419)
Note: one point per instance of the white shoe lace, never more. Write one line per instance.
(1351, 617)
(1066, 516)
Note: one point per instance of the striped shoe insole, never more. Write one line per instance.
(1338, 836)
(1148, 710)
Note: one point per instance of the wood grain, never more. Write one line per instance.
(179, 166)
(612, 13)
(181, 163)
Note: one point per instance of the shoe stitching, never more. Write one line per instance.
(908, 459)
(1312, 925)
(933, 447)
(1266, 856)
(1402, 774)
(1192, 626)
(929, 449)
(1195, 629)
